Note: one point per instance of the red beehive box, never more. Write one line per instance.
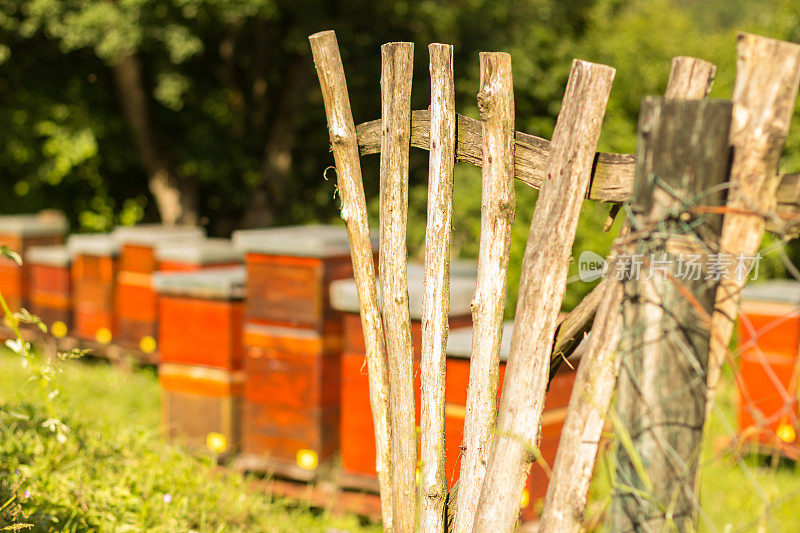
(357, 443)
(201, 405)
(292, 344)
(459, 346)
(20, 232)
(769, 331)
(201, 316)
(51, 287)
(135, 299)
(94, 277)
(357, 440)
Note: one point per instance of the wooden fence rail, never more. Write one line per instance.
(612, 174)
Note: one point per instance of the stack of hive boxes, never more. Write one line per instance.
(50, 287)
(292, 345)
(357, 434)
(94, 278)
(19, 233)
(201, 317)
(769, 331)
(135, 299)
(357, 442)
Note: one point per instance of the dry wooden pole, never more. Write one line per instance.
(436, 302)
(496, 104)
(396, 74)
(332, 81)
(544, 274)
(764, 95)
(683, 158)
(565, 503)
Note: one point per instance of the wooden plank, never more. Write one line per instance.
(330, 71)
(612, 174)
(565, 503)
(436, 301)
(764, 96)
(496, 104)
(544, 275)
(662, 381)
(396, 75)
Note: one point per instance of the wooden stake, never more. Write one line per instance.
(683, 158)
(436, 302)
(565, 503)
(332, 81)
(764, 96)
(544, 274)
(496, 104)
(396, 74)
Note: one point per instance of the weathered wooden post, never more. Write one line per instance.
(328, 63)
(396, 74)
(565, 503)
(682, 163)
(764, 96)
(544, 276)
(436, 303)
(496, 104)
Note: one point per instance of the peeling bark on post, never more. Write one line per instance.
(332, 81)
(683, 153)
(436, 303)
(544, 274)
(565, 503)
(396, 74)
(764, 96)
(496, 104)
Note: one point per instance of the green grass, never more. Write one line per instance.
(114, 472)
(740, 491)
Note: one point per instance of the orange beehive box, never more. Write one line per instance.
(357, 444)
(94, 276)
(357, 434)
(201, 406)
(201, 316)
(291, 411)
(292, 344)
(769, 332)
(51, 287)
(289, 270)
(20, 232)
(135, 300)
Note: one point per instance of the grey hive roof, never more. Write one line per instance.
(344, 296)
(97, 244)
(34, 225)
(316, 240)
(780, 291)
(215, 283)
(154, 234)
(56, 255)
(199, 252)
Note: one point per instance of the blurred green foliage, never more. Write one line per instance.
(232, 92)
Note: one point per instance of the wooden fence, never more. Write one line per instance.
(685, 144)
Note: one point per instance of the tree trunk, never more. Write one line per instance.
(176, 199)
(271, 193)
